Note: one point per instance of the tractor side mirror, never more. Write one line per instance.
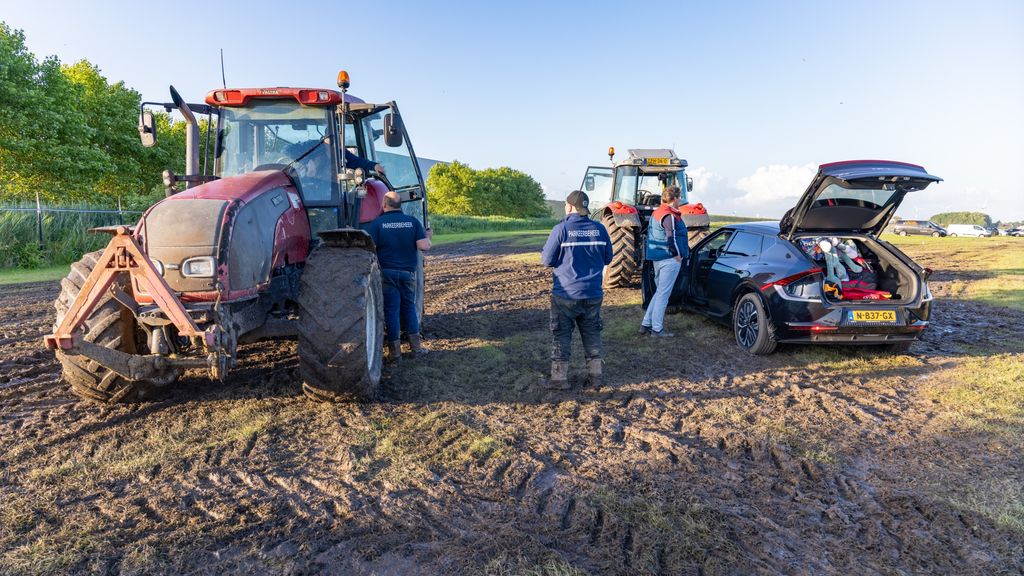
(392, 130)
(689, 183)
(147, 129)
(588, 183)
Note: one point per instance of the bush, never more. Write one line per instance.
(65, 235)
(457, 189)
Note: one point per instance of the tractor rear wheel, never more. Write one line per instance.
(625, 253)
(695, 235)
(110, 325)
(341, 325)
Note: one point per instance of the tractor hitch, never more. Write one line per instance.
(124, 256)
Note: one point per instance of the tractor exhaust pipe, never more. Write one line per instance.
(191, 138)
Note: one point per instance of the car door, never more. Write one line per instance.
(731, 267)
(702, 261)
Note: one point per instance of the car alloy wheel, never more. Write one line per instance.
(747, 324)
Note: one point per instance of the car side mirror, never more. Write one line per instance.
(588, 183)
(147, 129)
(392, 130)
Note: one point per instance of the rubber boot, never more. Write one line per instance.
(593, 373)
(416, 345)
(395, 351)
(559, 375)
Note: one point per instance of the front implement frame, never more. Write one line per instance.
(124, 256)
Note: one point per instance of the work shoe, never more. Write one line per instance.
(593, 373)
(644, 330)
(416, 345)
(395, 351)
(559, 375)
(662, 334)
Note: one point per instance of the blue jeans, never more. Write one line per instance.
(568, 314)
(665, 272)
(399, 287)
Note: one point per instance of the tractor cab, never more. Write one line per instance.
(625, 195)
(297, 130)
(638, 180)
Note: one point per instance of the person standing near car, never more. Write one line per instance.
(666, 248)
(399, 239)
(578, 249)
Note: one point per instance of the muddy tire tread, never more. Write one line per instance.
(332, 324)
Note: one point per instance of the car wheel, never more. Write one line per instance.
(753, 329)
(902, 232)
(953, 235)
(935, 234)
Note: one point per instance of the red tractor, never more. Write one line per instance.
(267, 244)
(626, 194)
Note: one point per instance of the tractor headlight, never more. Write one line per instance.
(201, 267)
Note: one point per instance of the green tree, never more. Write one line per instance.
(947, 218)
(456, 189)
(45, 143)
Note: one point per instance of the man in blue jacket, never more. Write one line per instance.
(578, 249)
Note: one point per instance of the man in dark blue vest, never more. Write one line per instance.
(578, 249)
(399, 239)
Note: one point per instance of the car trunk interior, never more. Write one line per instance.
(891, 275)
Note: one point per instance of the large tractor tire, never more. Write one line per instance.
(341, 325)
(695, 235)
(625, 253)
(110, 325)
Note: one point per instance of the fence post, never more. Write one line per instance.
(39, 220)
(120, 214)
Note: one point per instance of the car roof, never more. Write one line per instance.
(769, 227)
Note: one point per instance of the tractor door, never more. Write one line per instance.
(597, 183)
(387, 143)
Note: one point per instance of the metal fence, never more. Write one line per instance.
(35, 234)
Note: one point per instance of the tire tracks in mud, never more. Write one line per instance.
(682, 469)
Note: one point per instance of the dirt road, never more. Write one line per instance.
(697, 460)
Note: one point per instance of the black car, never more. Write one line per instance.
(766, 281)
(918, 227)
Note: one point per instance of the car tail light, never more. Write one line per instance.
(801, 286)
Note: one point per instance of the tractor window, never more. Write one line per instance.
(269, 134)
(634, 187)
(398, 162)
(597, 183)
(626, 184)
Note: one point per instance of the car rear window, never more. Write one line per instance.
(745, 243)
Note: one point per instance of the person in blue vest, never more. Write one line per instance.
(578, 249)
(666, 248)
(399, 239)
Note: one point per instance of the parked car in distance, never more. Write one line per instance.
(918, 227)
(968, 230)
(1018, 232)
(766, 280)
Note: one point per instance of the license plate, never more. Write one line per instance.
(663, 161)
(873, 316)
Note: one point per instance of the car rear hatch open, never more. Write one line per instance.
(855, 196)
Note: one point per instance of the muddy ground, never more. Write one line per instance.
(702, 460)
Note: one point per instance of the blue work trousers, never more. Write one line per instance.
(399, 303)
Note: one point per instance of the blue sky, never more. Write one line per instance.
(753, 94)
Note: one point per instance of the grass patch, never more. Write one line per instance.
(989, 270)
(986, 394)
(403, 449)
(453, 238)
(26, 275)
